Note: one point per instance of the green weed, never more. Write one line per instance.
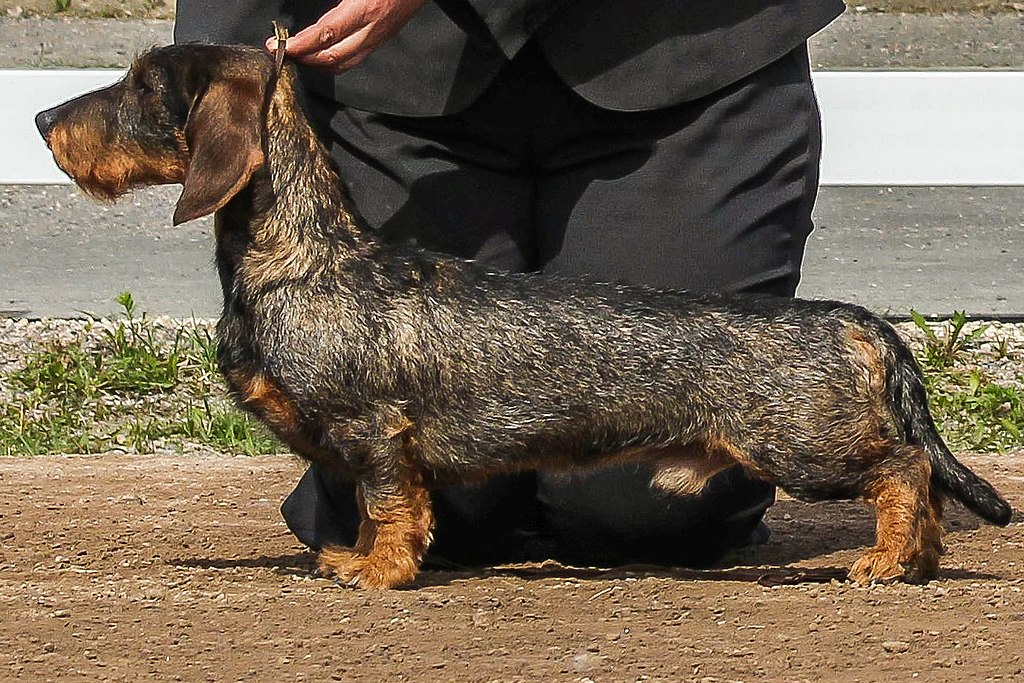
(972, 410)
(132, 386)
(941, 351)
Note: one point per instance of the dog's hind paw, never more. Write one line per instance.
(332, 561)
(877, 566)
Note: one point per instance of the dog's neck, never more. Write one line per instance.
(293, 218)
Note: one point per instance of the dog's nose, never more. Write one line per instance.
(45, 121)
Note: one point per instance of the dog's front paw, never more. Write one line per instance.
(371, 571)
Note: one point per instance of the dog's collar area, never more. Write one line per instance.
(281, 33)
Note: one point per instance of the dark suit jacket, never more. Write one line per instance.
(619, 54)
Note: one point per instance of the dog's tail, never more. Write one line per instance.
(909, 405)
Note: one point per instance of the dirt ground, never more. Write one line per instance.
(124, 567)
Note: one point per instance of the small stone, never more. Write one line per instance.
(895, 646)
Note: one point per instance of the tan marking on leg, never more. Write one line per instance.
(926, 566)
(367, 527)
(398, 530)
(337, 560)
(907, 532)
(868, 360)
(268, 402)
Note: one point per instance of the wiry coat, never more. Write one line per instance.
(403, 369)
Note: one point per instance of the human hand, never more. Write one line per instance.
(347, 33)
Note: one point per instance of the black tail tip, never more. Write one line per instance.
(997, 512)
(1003, 515)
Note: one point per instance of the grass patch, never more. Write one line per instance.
(974, 410)
(130, 385)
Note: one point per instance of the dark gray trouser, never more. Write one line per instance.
(714, 194)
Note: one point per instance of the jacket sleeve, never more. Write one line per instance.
(511, 22)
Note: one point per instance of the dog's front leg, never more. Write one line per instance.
(333, 559)
(394, 531)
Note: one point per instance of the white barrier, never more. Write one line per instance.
(880, 127)
(23, 156)
(922, 128)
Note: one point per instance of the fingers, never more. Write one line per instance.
(337, 41)
(347, 33)
(342, 55)
(337, 23)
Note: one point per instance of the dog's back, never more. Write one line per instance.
(505, 370)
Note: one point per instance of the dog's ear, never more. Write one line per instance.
(224, 134)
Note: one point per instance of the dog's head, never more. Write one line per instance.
(189, 114)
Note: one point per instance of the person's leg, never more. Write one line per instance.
(713, 195)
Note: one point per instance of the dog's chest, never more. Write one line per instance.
(266, 399)
(259, 391)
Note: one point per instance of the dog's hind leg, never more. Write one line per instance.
(927, 565)
(908, 532)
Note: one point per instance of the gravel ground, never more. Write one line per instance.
(124, 568)
(121, 567)
(857, 40)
